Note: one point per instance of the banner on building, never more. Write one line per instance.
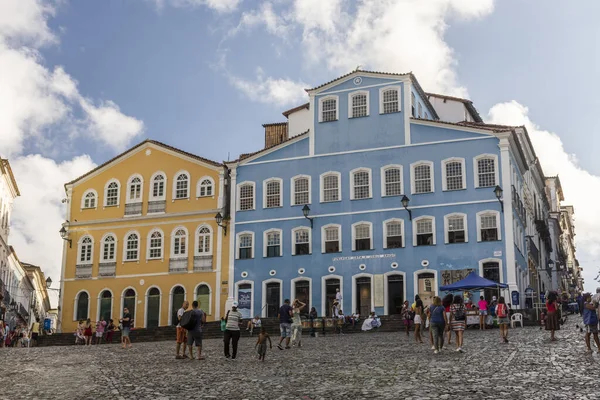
(245, 302)
(450, 276)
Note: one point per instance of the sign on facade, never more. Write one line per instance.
(378, 287)
(374, 256)
(449, 276)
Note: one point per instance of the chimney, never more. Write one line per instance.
(275, 134)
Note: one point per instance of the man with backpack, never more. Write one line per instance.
(193, 320)
(181, 332)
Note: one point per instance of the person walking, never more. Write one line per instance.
(285, 324)
(438, 322)
(447, 302)
(552, 323)
(87, 332)
(297, 323)
(312, 315)
(406, 316)
(418, 310)
(503, 320)
(261, 343)
(126, 328)
(181, 333)
(110, 331)
(590, 320)
(482, 304)
(232, 331)
(338, 298)
(100, 327)
(458, 320)
(194, 335)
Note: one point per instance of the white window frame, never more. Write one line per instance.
(187, 243)
(299, 228)
(237, 244)
(76, 309)
(139, 246)
(354, 225)
(322, 188)
(265, 233)
(350, 98)
(162, 245)
(354, 171)
(383, 182)
(385, 89)
(92, 191)
(385, 223)
(151, 189)
(444, 174)
(189, 183)
(476, 170)
(267, 181)
(413, 106)
(293, 189)
(199, 186)
(238, 203)
(412, 176)
(340, 232)
(207, 310)
(414, 228)
(337, 107)
(103, 242)
(447, 226)
(197, 240)
(79, 244)
(419, 110)
(129, 182)
(498, 221)
(118, 193)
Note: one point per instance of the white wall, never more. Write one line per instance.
(450, 110)
(299, 122)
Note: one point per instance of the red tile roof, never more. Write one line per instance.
(246, 155)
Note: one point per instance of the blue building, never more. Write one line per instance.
(380, 190)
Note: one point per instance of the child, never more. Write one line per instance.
(261, 343)
(590, 319)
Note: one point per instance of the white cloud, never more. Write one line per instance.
(282, 92)
(221, 6)
(274, 23)
(25, 22)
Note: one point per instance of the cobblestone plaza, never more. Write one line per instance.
(353, 366)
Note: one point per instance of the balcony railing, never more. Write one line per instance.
(178, 264)
(23, 310)
(107, 269)
(132, 209)
(83, 271)
(157, 206)
(203, 263)
(533, 251)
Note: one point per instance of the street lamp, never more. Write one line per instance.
(65, 236)
(48, 282)
(13, 305)
(498, 192)
(219, 219)
(306, 212)
(405, 200)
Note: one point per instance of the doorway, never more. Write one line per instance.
(331, 287)
(363, 296)
(302, 290)
(177, 299)
(491, 271)
(106, 305)
(129, 303)
(273, 299)
(153, 308)
(426, 286)
(395, 294)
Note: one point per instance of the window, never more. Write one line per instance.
(203, 243)
(412, 105)
(89, 199)
(361, 184)
(205, 187)
(155, 244)
(456, 228)
(328, 109)
(330, 187)
(182, 186)
(487, 173)
(134, 190)
(301, 238)
(245, 245)
(246, 193)
(359, 105)
(420, 110)
(300, 190)
(111, 194)
(331, 239)
(203, 298)
(132, 243)
(158, 187)
(389, 100)
(453, 174)
(179, 246)
(362, 236)
(273, 243)
(108, 248)
(86, 250)
(488, 223)
(82, 305)
(422, 177)
(392, 180)
(273, 195)
(424, 231)
(393, 232)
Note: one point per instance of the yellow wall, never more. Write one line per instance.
(142, 274)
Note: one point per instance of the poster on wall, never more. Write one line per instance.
(450, 276)
(245, 302)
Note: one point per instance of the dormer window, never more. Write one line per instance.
(389, 100)
(358, 105)
(328, 109)
(420, 110)
(413, 110)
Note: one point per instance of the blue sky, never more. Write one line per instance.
(85, 80)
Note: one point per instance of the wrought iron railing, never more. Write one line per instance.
(203, 263)
(133, 209)
(107, 269)
(83, 271)
(178, 264)
(158, 206)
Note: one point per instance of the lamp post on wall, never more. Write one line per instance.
(405, 201)
(498, 192)
(65, 236)
(219, 219)
(306, 212)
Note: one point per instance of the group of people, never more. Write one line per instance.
(19, 336)
(103, 331)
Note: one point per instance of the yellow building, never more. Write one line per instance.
(141, 233)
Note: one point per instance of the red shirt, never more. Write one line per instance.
(551, 306)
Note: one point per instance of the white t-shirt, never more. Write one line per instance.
(338, 297)
(180, 313)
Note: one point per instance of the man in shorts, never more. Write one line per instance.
(590, 319)
(285, 324)
(181, 332)
(195, 334)
(126, 324)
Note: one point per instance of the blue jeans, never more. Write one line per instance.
(438, 335)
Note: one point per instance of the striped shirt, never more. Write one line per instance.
(233, 321)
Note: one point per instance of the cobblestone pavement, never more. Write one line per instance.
(364, 365)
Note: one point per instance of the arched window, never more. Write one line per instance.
(487, 171)
(89, 199)
(394, 232)
(359, 105)
(182, 186)
(328, 109)
(177, 298)
(157, 190)
(109, 248)
(246, 196)
(111, 194)
(422, 177)
(106, 305)
(362, 236)
(155, 245)
(301, 239)
(129, 301)
(453, 174)
(456, 228)
(272, 241)
(245, 245)
(205, 187)
(203, 247)
(488, 226)
(82, 303)
(331, 239)
(273, 193)
(330, 187)
(179, 246)
(86, 250)
(203, 298)
(389, 101)
(424, 231)
(132, 247)
(300, 190)
(361, 184)
(392, 180)
(134, 190)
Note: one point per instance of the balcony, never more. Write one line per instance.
(83, 271)
(178, 265)
(533, 251)
(107, 269)
(155, 207)
(542, 227)
(203, 263)
(133, 209)
(23, 311)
